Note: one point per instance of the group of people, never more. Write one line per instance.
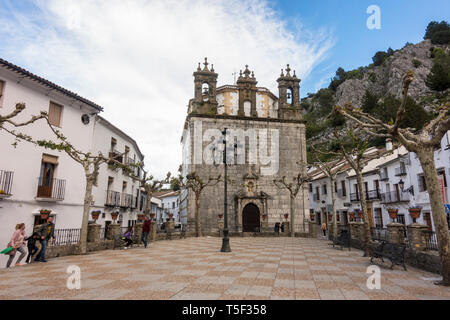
(36, 243)
(279, 227)
(128, 235)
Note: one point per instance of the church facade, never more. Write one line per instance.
(265, 141)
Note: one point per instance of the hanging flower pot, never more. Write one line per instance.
(286, 215)
(264, 216)
(414, 213)
(95, 215)
(152, 216)
(114, 215)
(392, 213)
(352, 215)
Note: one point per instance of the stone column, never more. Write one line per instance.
(152, 235)
(138, 232)
(113, 230)
(416, 236)
(313, 229)
(169, 227)
(93, 232)
(396, 233)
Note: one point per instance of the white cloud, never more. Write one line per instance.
(136, 58)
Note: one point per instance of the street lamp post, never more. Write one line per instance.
(226, 239)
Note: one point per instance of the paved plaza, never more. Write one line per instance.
(193, 268)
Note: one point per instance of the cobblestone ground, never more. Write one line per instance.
(193, 268)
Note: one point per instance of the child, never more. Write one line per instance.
(128, 237)
(33, 244)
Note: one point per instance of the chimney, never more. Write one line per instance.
(389, 144)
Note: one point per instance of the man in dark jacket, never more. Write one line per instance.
(145, 230)
(47, 232)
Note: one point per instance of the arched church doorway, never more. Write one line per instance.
(250, 218)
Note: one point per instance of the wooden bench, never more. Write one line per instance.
(394, 252)
(342, 240)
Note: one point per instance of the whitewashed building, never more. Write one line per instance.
(34, 178)
(170, 204)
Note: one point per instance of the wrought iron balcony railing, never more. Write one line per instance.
(127, 200)
(51, 188)
(394, 196)
(354, 196)
(400, 171)
(112, 198)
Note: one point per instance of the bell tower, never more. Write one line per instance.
(247, 92)
(205, 84)
(289, 95)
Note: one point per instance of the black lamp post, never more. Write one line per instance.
(226, 239)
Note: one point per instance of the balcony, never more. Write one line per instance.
(112, 198)
(394, 196)
(383, 176)
(400, 171)
(373, 194)
(354, 197)
(6, 181)
(50, 189)
(115, 156)
(316, 197)
(127, 200)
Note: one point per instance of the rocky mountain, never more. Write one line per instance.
(383, 78)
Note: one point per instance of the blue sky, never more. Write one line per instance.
(401, 21)
(141, 53)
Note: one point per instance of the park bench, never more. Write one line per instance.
(342, 240)
(394, 252)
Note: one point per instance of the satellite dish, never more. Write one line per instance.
(85, 119)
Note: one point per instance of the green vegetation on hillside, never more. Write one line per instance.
(438, 32)
(439, 77)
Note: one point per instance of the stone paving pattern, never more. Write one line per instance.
(193, 268)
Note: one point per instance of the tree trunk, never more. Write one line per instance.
(198, 224)
(362, 196)
(86, 209)
(333, 203)
(426, 158)
(292, 203)
(148, 201)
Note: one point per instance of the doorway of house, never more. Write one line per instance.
(250, 218)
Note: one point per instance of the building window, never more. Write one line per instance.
(173, 205)
(422, 183)
(378, 217)
(2, 86)
(54, 114)
(113, 144)
(324, 189)
(310, 187)
(344, 191)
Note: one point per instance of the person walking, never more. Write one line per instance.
(145, 231)
(324, 229)
(33, 244)
(47, 232)
(17, 243)
(128, 237)
(277, 228)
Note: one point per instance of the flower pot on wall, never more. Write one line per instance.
(114, 215)
(392, 213)
(352, 216)
(414, 213)
(152, 216)
(95, 215)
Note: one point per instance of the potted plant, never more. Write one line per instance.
(220, 216)
(45, 213)
(286, 216)
(415, 212)
(114, 215)
(393, 212)
(312, 216)
(352, 215)
(140, 216)
(95, 214)
(264, 216)
(152, 215)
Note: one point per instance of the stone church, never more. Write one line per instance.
(265, 141)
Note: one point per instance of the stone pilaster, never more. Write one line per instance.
(396, 233)
(93, 232)
(138, 232)
(113, 230)
(416, 236)
(152, 235)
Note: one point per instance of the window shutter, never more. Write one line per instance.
(54, 114)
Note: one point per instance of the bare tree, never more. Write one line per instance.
(9, 118)
(330, 169)
(293, 185)
(357, 155)
(422, 142)
(194, 182)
